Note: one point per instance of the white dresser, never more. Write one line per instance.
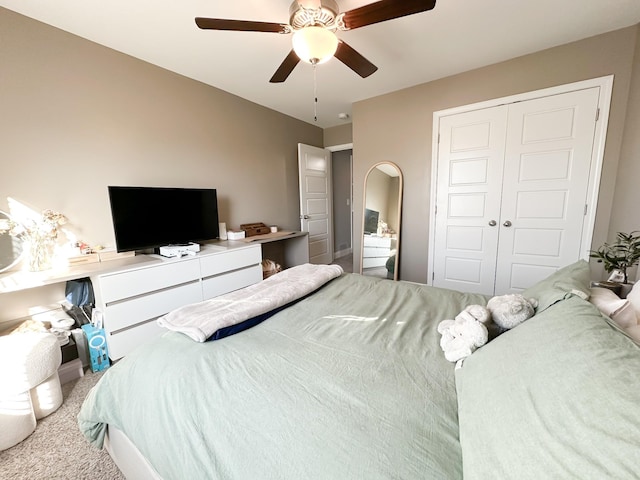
(132, 297)
(376, 251)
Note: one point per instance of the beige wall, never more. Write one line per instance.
(625, 215)
(338, 135)
(397, 127)
(378, 193)
(76, 117)
(392, 207)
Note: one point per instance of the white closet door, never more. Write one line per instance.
(546, 176)
(470, 167)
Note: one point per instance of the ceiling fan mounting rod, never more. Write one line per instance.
(315, 92)
(323, 14)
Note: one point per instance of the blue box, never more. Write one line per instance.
(97, 347)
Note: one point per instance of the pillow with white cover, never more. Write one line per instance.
(634, 297)
(634, 332)
(617, 309)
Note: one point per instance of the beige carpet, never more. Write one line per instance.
(57, 449)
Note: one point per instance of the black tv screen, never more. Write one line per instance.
(370, 221)
(150, 217)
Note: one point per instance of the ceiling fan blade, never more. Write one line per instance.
(384, 10)
(240, 25)
(285, 68)
(354, 60)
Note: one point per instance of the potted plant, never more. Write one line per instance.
(620, 255)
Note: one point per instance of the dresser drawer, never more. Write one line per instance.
(374, 262)
(121, 285)
(374, 241)
(122, 343)
(375, 252)
(218, 263)
(129, 313)
(228, 282)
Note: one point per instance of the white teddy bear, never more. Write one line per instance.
(473, 326)
(463, 335)
(508, 311)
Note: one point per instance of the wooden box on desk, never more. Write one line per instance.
(251, 229)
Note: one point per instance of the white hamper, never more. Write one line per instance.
(29, 383)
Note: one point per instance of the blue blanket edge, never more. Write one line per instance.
(251, 322)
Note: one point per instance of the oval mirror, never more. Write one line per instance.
(381, 221)
(10, 246)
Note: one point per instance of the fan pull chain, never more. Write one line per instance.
(315, 94)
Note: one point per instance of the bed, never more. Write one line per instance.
(351, 383)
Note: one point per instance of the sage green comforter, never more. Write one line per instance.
(350, 383)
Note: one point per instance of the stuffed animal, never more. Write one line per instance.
(508, 311)
(466, 333)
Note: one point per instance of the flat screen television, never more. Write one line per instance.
(371, 221)
(150, 217)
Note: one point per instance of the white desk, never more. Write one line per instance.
(22, 280)
(286, 248)
(291, 249)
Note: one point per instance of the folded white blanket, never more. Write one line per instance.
(201, 320)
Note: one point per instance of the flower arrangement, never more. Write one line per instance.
(39, 235)
(383, 228)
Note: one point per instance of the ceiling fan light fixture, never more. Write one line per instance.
(315, 44)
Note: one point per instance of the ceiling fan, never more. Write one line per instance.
(313, 23)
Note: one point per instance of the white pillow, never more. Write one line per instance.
(620, 311)
(634, 332)
(634, 297)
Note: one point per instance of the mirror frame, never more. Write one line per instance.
(364, 204)
(17, 259)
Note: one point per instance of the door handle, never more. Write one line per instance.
(492, 223)
(507, 223)
(304, 217)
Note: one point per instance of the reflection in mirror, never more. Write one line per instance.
(381, 221)
(10, 246)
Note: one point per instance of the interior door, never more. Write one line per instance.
(314, 170)
(470, 168)
(546, 175)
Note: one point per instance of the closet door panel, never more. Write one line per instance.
(548, 155)
(470, 163)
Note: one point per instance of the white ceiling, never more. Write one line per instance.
(458, 35)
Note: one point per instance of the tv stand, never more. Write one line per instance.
(132, 298)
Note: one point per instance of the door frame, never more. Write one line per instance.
(597, 158)
(340, 148)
